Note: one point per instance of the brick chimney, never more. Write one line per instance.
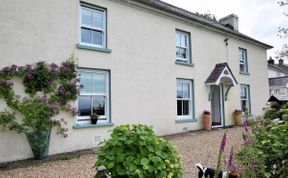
(281, 62)
(271, 60)
(231, 21)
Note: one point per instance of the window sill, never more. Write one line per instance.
(104, 50)
(244, 73)
(185, 120)
(184, 64)
(82, 126)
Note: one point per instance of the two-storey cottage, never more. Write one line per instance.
(140, 61)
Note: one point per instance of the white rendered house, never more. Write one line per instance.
(140, 61)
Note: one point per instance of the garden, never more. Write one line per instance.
(257, 149)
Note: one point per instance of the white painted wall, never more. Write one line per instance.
(142, 65)
(274, 74)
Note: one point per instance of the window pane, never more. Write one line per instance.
(97, 38)
(99, 83)
(186, 107)
(179, 107)
(178, 40)
(84, 105)
(86, 17)
(179, 90)
(98, 19)
(183, 40)
(186, 90)
(242, 68)
(99, 105)
(86, 35)
(86, 81)
(181, 53)
(244, 105)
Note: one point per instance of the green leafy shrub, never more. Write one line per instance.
(271, 113)
(268, 153)
(135, 151)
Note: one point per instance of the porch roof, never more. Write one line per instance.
(221, 74)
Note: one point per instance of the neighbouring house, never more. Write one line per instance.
(277, 70)
(140, 61)
(278, 80)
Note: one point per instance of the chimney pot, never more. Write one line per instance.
(281, 62)
(271, 60)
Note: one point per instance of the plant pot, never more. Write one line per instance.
(207, 121)
(94, 121)
(39, 143)
(237, 116)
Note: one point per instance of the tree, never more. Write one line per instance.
(283, 32)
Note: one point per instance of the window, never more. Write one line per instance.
(94, 96)
(184, 99)
(243, 60)
(182, 46)
(93, 26)
(245, 98)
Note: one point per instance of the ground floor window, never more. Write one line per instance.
(245, 98)
(94, 96)
(184, 99)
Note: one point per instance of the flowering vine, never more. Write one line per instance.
(50, 88)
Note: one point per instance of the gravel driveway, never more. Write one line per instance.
(195, 147)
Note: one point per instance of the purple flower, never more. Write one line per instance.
(7, 83)
(248, 142)
(53, 105)
(231, 160)
(65, 122)
(61, 90)
(223, 142)
(245, 125)
(62, 120)
(43, 99)
(14, 67)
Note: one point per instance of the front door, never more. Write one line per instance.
(216, 106)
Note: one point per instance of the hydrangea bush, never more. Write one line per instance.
(135, 151)
(50, 88)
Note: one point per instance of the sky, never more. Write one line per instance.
(259, 19)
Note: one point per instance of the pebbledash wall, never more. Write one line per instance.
(142, 66)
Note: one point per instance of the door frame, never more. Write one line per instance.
(222, 112)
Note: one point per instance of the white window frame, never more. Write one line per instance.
(103, 30)
(187, 48)
(247, 99)
(102, 119)
(243, 61)
(190, 116)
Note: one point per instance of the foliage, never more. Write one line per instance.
(50, 88)
(271, 113)
(283, 32)
(207, 15)
(267, 154)
(135, 151)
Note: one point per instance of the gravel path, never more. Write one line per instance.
(195, 147)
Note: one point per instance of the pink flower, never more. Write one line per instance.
(231, 160)
(223, 143)
(248, 142)
(245, 126)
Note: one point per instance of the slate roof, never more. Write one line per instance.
(217, 71)
(279, 68)
(162, 6)
(279, 81)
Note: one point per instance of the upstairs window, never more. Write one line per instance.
(243, 60)
(93, 26)
(182, 47)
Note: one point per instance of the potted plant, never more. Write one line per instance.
(94, 117)
(206, 119)
(50, 88)
(237, 116)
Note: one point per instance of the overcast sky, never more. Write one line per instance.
(259, 19)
